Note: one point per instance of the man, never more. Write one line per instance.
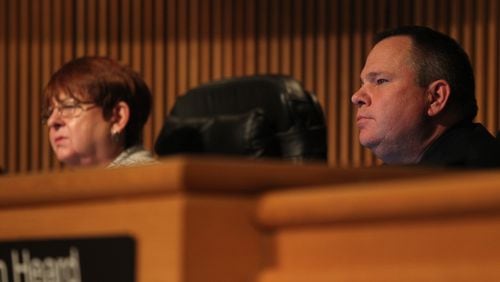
(416, 104)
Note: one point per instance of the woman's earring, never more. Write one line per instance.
(115, 137)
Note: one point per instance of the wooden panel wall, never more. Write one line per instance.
(178, 44)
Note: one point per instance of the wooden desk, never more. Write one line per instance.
(443, 227)
(206, 219)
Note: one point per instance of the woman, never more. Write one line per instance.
(95, 110)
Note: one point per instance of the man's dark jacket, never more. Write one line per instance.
(466, 144)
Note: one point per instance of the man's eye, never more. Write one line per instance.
(380, 81)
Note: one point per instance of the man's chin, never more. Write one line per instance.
(368, 142)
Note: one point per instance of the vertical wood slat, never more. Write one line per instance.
(262, 56)
(497, 62)
(91, 27)
(455, 14)
(3, 82)
(468, 27)
(56, 60)
(56, 27)
(177, 44)
(369, 25)
(68, 24)
(357, 56)
(332, 83)
(125, 32)
(297, 44)
(345, 78)
(250, 38)
(171, 88)
(23, 89)
(309, 40)
(56, 47)
(136, 35)
(418, 12)
(205, 40)
(159, 62)
(80, 23)
(193, 43)
(46, 69)
(274, 37)
(114, 28)
(492, 79)
(147, 52)
(285, 53)
(442, 19)
(479, 63)
(217, 38)
(12, 72)
(182, 51)
(431, 14)
(227, 38)
(320, 51)
(407, 9)
(35, 87)
(102, 28)
(239, 38)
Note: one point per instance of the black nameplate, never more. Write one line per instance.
(70, 260)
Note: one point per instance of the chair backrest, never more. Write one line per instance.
(257, 116)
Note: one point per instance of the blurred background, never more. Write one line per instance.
(179, 44)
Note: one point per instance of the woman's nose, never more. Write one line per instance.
(55, 119)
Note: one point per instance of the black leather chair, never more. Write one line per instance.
(255, 116)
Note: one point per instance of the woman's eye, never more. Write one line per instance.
(68, 108)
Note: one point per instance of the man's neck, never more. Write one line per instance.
(438, 132)
(412, 150)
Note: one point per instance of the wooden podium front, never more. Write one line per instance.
(443, 227)
(206, 219)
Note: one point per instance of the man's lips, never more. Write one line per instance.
(360, 120)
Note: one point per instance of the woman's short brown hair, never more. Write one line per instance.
(104, 82)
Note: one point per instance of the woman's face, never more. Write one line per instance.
(78, 132)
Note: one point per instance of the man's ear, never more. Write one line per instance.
(438, 94)
(120, 117)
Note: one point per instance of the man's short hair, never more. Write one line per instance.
(438, 56)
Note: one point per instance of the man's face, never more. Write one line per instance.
(391, 106)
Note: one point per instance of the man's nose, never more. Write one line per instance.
(360, 97)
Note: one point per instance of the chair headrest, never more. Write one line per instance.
(239, 95)
(252, 116)
(248, 134)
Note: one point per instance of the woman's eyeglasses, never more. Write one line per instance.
(68, 110)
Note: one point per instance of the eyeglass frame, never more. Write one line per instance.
(72, 107)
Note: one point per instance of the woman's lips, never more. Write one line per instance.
(59, 139)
